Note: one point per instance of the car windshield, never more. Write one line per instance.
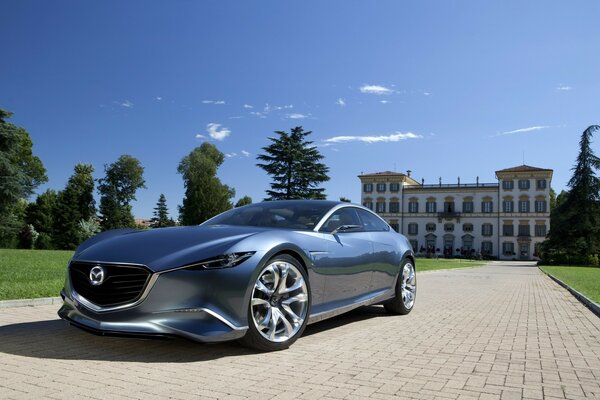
(301, 215)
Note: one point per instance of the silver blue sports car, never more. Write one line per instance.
(258, 273)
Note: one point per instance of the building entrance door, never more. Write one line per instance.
(524, 251)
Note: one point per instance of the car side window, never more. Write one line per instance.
(372, 223)
(343, 216)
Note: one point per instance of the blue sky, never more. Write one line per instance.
(445, 89)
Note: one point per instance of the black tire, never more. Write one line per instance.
(399, 305)
(255, 337)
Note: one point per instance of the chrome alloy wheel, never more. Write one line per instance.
(279, 303)
(408, 285)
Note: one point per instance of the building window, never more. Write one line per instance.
(487, 229)
(508, 248)
(381, 187)
(508, 185)
(540, 230)
(380, 207)
(540, 206)
(486, 248)
(541, 184)
(468, 228)
(394, 187)
(413, 206)
(394, 207)
(524, 230)
(508, 230)
(524, 184)
(413, 228)
(507, 206)
(430, 227)
(395, 226)
(449, 227)
(449, 207)
(368, 204)
(487, 207)
(430, 206)
(468, 206)
(524, 206)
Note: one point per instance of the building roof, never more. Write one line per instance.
(384, 173)
(524, 168)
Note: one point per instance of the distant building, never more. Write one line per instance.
(507, 219)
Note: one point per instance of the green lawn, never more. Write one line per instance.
(430, 264)
(26, 274)
(585, 280)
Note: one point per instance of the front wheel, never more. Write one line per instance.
(279, 305)
(406, 291)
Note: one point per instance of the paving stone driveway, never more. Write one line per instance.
(503, 331)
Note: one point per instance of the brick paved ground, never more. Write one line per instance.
(498, 332)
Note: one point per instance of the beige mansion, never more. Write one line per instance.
(507, 219)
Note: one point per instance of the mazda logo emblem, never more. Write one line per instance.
(97, 275)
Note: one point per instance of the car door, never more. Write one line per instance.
(349, 253)
(385, 261)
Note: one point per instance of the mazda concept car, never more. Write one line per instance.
(258, 273)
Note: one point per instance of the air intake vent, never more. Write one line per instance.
(121, 284)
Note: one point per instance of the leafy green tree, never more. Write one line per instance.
(244, 201)
(161, 214)
(205, 195)
(294, 166)
(20, 174)
(117, 190)
(88, 228)
(74, 203)
(345, 199)
(40, 214)
(574, 236)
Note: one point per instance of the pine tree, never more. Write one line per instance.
(74, 203)
(161, 213)
(574, 236)
(294, 165)
(205, 195)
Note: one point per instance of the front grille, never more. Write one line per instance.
(122, 284)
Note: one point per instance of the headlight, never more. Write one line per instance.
(223, 261)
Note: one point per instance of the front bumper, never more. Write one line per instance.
(179, 303)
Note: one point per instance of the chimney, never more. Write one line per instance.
(408, 173)
(477, 181)
(459, 181)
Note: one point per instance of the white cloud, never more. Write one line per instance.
(216, 132)
(230, 155)
(158, 98)
(524, 130)
(341, 102)
(235, 117)
(426, 94)
(375, 89)
(394, 137)
(248, 106)
(246, 153)
(296, 116)
(126, 104)
(213, 101)
(199, 136)
(384, 101)
(564, 88)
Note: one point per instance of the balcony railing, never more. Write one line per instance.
(448, 215)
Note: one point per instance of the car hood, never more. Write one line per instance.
(163, 248)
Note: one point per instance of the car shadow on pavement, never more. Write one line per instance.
(56, 339)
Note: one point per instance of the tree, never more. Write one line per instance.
(40, 214)
(161, 214)
(345, 199)
(244, 201)
(205, 195)
(117, 190)
(74, 204)
(294, 166)
(575, 221)
(20, 174)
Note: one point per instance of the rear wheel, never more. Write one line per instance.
(406, 291)
(279, 305)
